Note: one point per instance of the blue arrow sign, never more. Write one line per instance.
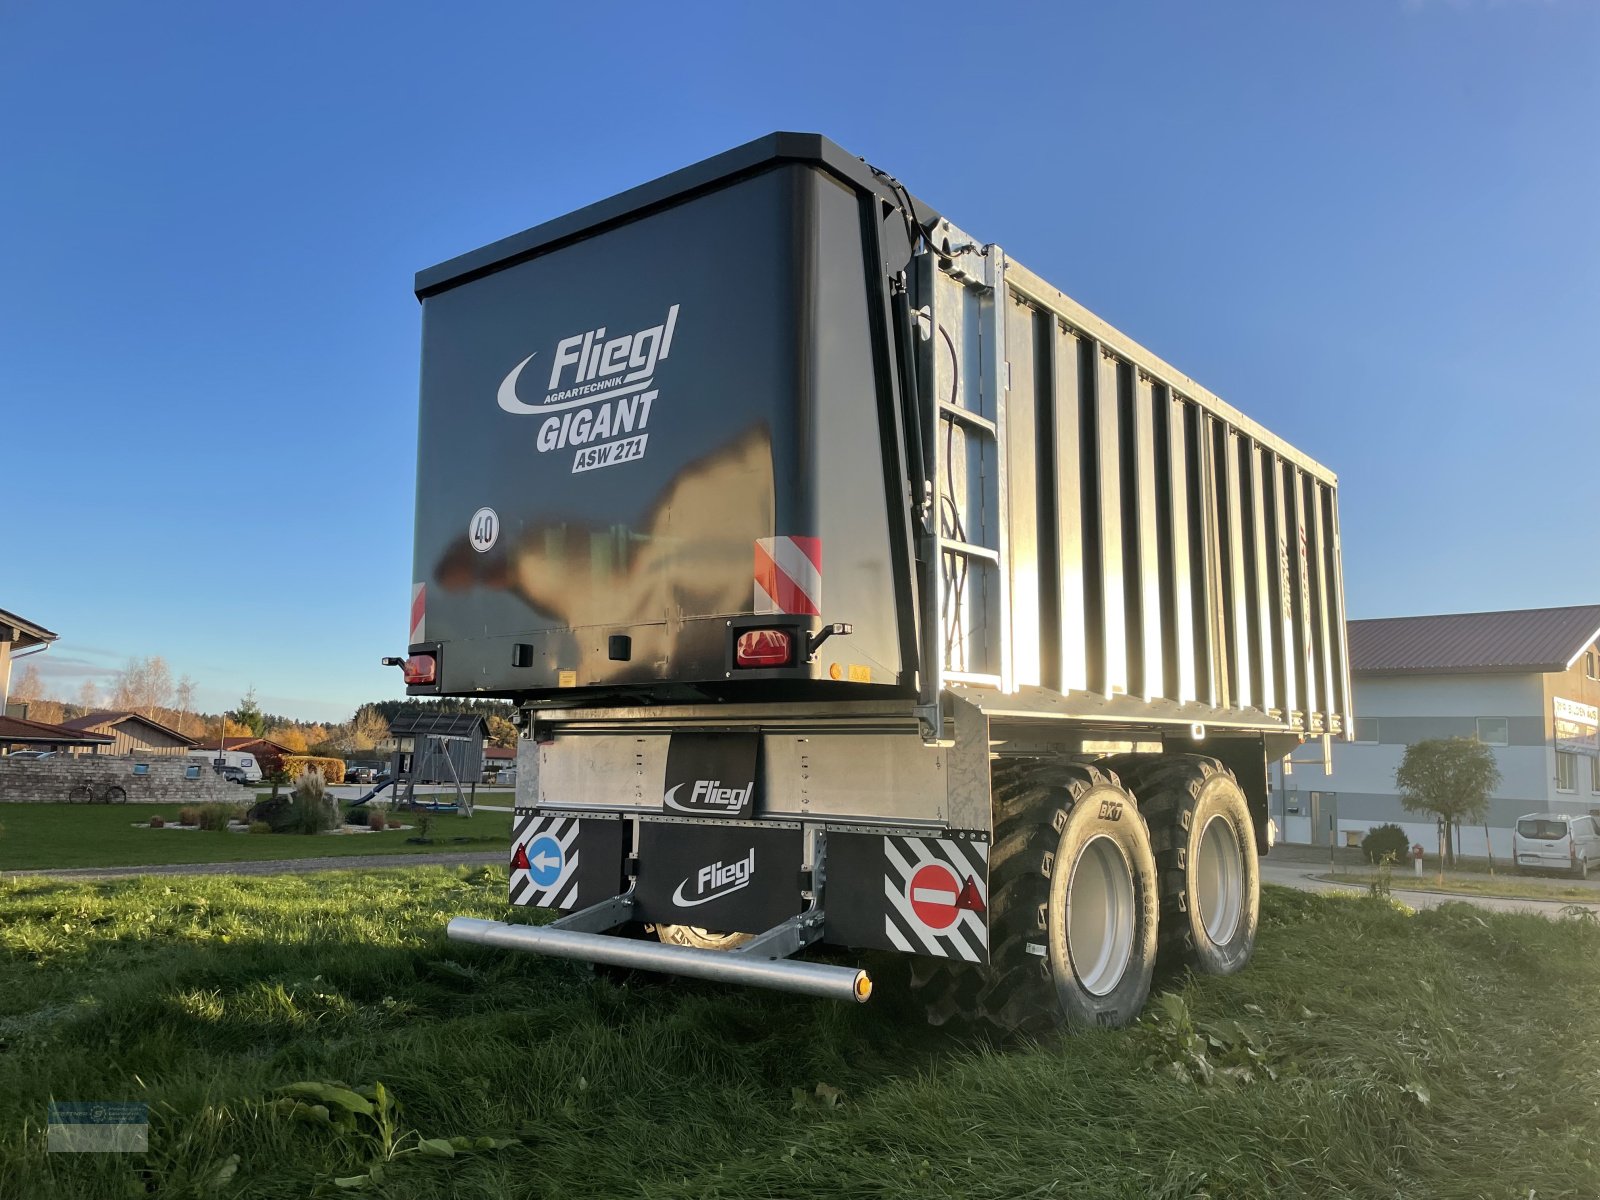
(545, 860)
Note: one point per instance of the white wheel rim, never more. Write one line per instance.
(1100, 915)
(1219, 880)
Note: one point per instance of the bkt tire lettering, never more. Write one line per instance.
(1110, 810)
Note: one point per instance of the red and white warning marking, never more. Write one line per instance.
(935, 893)
(419, 610)
(789, 576)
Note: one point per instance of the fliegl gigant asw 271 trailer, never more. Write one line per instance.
(857, 587)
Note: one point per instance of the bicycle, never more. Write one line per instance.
(84, 793)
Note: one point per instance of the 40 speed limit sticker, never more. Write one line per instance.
(484, 530)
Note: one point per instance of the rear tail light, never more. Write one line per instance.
(764, 648)
(421, 668)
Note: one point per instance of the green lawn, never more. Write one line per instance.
(1528, 887)
(1368, 1052)
(96, 835)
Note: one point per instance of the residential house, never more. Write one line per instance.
(17, 638)
(132, 733)
(19, 734)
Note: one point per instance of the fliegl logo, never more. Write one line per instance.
(599, 394)
(708, 795)
(717, 880)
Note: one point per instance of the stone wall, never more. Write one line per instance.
(163, 781)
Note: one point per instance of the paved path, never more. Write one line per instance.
(278, 866)
(1304, 877)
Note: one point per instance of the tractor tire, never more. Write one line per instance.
(1072, 906)
(701, 939)
(1205, 848)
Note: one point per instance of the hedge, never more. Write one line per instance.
(332, 769)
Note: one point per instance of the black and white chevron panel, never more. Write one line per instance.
(936, 897)
(544, 861)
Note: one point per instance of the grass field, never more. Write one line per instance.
(1529, 887)
(104, 835)
(1367, 1052)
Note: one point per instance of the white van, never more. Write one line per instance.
(232, 758)
(1556, 842)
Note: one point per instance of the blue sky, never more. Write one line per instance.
(1371, 226)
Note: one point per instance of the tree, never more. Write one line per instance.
(249, 714)
(367, 729)
(144, 685)
(88, 696)
(290, 738)
(1451, 778)
(501, 731)
(183, 695)
(29, 688)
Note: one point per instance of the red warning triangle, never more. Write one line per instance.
(519, 860)
(970, 898)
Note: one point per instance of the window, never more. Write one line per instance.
(192, 772)
(1566, 771)
(1494, 731)
(1366, 730)
(1589, 667)
(1594, 775)
(141, 768)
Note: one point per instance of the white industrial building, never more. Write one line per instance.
(1526, 683)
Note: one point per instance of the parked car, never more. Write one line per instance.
(235, 775)
(1555, 842)
(32, 754)
(232, 758)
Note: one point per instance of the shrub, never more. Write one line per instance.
(260, 827)
(189, 814)
(311, 809)
(271, 811)
(215, 817)
(157, 823)
(331, 769)
(356, 816)
(376, 821)
(1386, 842)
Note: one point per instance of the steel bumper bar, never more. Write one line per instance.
(751, 970)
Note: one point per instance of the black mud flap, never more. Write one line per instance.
(565, 862)
(733, 877)
(918, 895)
(712, 775)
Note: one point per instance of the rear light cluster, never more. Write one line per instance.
(764, 648)
(421, 668)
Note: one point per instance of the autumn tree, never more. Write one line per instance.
(183, 701)
(29, 688)
(289, 737)
(1451, 778)
(368, 729)
(501, 731)
(143, 686)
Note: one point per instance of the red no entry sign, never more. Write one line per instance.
(934, 894)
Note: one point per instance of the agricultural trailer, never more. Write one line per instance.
(857, 588)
